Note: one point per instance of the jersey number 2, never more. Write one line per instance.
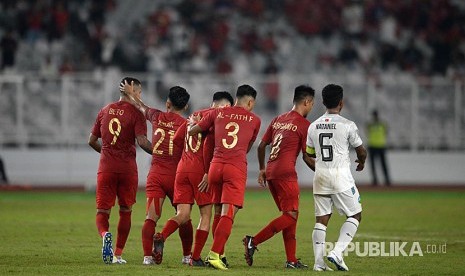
(326, 150)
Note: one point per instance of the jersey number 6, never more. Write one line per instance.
(326, 148)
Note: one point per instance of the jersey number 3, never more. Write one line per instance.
(326, 150)
(232, 133)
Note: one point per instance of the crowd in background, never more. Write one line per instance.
(239, 37)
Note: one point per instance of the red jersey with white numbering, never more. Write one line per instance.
(165, 155)
(118, 124)
(235, 129)
(287, 135)
(193, 147)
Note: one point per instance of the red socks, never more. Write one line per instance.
(148, 230)
(169, 228)
(124, 226)
(216, 219)
(186, 233)
(223, 230)
(278, 224)
(200, 240)
(290, 242)
(101, 220)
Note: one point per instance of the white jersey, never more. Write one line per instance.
(330, 136)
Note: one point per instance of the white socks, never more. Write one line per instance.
(347, 233)
(318, 237)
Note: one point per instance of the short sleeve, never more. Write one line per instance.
(151, 114)
(310, 143)
(140, 126)
(207, 121)
(98, 121)
(180, 135)
(257, 129)
(303, 138)
(354, 137)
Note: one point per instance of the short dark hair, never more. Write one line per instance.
(178, 97)
(246, 90)
(332, 95)
(223, 95)
(303, 91)
(128, 80)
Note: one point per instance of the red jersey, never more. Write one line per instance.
(118, 124)
(235, 129)
(165, 155)
(287, 135)
(193, 146)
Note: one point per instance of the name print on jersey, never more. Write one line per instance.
(286, 126)
(116, 111)
(237, 117)
(326, 126)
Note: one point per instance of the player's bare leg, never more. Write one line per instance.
(319, 237)
(102, 222)
(153, 213)
(347, 233)
(201, 234)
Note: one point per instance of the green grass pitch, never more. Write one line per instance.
(54, 233)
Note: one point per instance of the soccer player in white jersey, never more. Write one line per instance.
(329, 139)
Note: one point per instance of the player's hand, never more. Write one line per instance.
(192, 120)
(128, 89)
(360, 165)
(203, 185)
(262, 178)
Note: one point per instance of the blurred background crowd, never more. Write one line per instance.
(237, 37)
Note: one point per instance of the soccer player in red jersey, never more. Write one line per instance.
(190, 185)
(165, 158)
(236, 129)
(118, 125)
(287, 135)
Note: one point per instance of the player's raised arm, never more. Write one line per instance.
(361, 157)
(133, 95)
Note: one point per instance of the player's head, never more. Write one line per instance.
(245, 96)
(303, 98)
(374, 113)
(222, 99)
(177, 98)
(332, 96)
(137, 86)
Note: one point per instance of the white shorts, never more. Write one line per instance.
(346, 203)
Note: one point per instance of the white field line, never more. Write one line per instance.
(372, 236)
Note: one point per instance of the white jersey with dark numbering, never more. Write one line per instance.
(331, 136)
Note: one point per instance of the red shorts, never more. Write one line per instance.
(285, 193)
(186, 190)
(227, 183)
(160, 186)
(112, 185)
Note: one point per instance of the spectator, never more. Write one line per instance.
(377, 135)
(4, 179)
